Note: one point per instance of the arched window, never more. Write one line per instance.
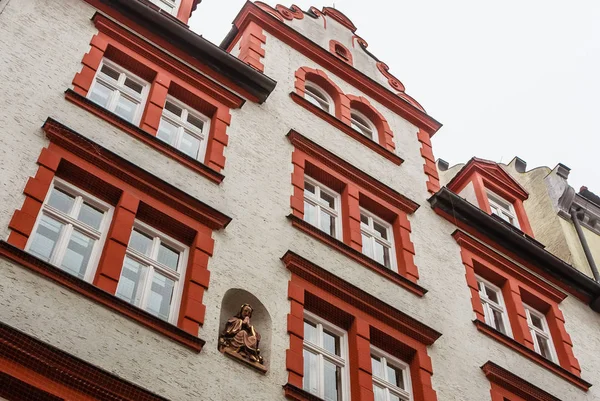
(340, 51)
(362, 124)
(318, 97)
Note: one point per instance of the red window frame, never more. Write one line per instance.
(505, 385)
(166, 75)
(367, 321)
(356, 188)
(134, 193)
(520, 286)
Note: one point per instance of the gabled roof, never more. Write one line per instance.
(492, 173)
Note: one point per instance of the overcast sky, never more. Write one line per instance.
(505, 78)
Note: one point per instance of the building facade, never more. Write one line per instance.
(154, 184)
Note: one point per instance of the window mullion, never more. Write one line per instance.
(61, 244)
(146, 286)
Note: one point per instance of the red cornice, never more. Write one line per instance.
(144, 136)
(489, 254)
(360, 299)
(532, 355)
(515, 384)
(99, 296)
(134, 175)
(355, 175)
(252, 13)
(356, 256)
(345, 128)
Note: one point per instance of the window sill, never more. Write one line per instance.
(143, 136)
(357, 256)
(339, 124)
(297, 394)
(100, 296)
(531, 354)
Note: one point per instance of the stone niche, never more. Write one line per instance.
(233, 299)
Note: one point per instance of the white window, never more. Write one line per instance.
(70, 230)
(153, 272)
(184, 128)
(503, 209)
(169, 6)
(119, 91)
(493, 306)
(362, 124)
(318, 97)
(377, 239)
(325, 359)
(322, 207)
(391, 377)
(538, 327)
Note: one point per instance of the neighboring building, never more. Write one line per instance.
(155, 184)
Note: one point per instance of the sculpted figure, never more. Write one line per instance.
(239, 336)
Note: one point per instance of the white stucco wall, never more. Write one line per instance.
(42, 43)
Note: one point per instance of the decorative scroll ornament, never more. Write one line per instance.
(397, 85)
(240, 339)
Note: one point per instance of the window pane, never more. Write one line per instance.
(379, 393)
(544, 346)
(382, 254)
(167, 132)
(364, 219)
(328, 223)
(310, 381)
(189, 145)
(45, 237)
(331, 342)
(140, 242)
(309, 187)
(310, 213)
(173, 108)
(394, 376)
(330, 200)
(381, 230)
(332, 382)
(90, 216)
(499, 321)
(131, 84)
(314, 99)
(492, 294)
(196, 122)
(168, 256)
(394, 397)
(537, 321)
(61, 200)
(310, 332)
(161, 293)
(100, 94)
(112, 73)
(367, 245)
(377, 366)
(77, 254)
(130, 283)
(126, 108)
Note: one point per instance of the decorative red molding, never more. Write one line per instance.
(532, 355)
(340, 51)
(338, 16)
(144, 136)
(348, 130)
(251, 50)
(297, 394)
(357, 256)
(340, 100)
(430, 167)
(385, 134)
(363, 43)
(514, 384)
(403, 107)
(294, 12)
(99, 296)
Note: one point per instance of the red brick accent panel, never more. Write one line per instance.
(340, 100)
(340, 51)
(519, 286)
(386, 136)
(251, 50)
(508, 386)
(140, 195)
(367, 320)
(430, 168)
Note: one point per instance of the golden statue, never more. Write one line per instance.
(239, 338)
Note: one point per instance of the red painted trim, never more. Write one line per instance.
(357, 256)
(144, 136)
(99, 296)
(338, 16)
(340, 51)
(292, 392)
(319, 77)
(430, 167)
(251, 12)
(339, 124)
(385, 134)
(250, 45)
(516, 385)
(533, 356)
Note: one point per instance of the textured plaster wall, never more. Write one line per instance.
(42, 43)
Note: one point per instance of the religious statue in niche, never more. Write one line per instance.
(240, 339)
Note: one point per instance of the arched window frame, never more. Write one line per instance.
(313, 91)
(365, 127)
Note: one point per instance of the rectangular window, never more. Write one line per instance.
(377, 240)
(503, 209)
(153, 272)
(119, 91)
(70, 230)
(169, 6)
(391, 377)
(322, 207)
(325, 359)
(538, 327)
(184, 128)
(493, 306)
